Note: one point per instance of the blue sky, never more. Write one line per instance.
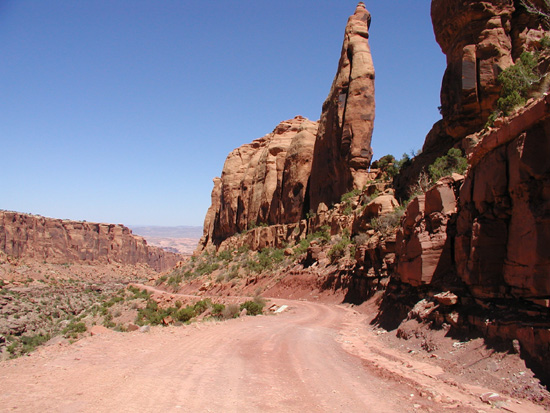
(123, 111)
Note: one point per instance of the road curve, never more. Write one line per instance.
(290, 362)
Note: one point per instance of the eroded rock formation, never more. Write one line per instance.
(263, 182)
(64, 241)
(343, 150)
(424, 240)
(480, 39)
(504, 219)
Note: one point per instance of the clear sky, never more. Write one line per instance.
(123, 111)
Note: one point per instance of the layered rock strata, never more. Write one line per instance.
(504, 220)
(424, 240)
(343, 150)
(480, 39)
(263, 183)
(64, 241)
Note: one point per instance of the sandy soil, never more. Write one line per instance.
(294, 361)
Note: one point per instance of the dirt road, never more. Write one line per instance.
(291, 362)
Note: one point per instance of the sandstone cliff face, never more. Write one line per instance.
(480, 39)
(343, 150)
(264, 182)
(64, 241)
(503, 224)
(425, 237)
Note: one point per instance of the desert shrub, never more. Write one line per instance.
(175, 279)
(230, 311)
(137, 293)
(184, 314)
(161, 279)
(338, 250)
(517, 82)
(448, 164)
(323, 236)
(151, 314)
(217, 309)
(371, 197)
(252, 307)
(347, 197)
(386, 224)
(205, 268)
(361, 238)
(201, 306)
(233, 273)
(73, 329)
(266, 259)
(26, 344)
(225, 255)
(258, 299)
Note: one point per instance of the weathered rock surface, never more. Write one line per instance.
(480, 40)
(423, 241)
(503, 224)
(64, 241)
(264, 182)
(343, 147)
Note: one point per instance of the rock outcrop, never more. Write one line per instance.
(64, 241)
(343, 150)
(424, 240)
(480, 39)
(263, 183)
(504, 220)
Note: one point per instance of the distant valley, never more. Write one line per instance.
(180, 239)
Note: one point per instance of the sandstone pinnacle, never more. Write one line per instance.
(343, 152)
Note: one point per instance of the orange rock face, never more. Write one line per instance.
(343, 150)
(263, 182)
(503, 225)
(423, 242)
(64, 241)
(480, 40)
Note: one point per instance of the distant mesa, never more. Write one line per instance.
(61, 241)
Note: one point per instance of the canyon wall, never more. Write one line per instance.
(64, 241)
(480, 39)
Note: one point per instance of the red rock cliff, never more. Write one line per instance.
(263, 182)
(480, 39)
(64, 241)
(343, 150)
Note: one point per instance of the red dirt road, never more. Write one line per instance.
(291, 362)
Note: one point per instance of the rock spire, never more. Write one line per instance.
(343, 152)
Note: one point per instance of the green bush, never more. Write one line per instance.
(137, 293)
(73, 329)
(252, 307)
(323, 236)
(347, 197)
(338, 250)
(517, 82)
(446, 165)
(266, 259)
(386, 224)
(201, 306)
(217, 309)
(184, 314)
